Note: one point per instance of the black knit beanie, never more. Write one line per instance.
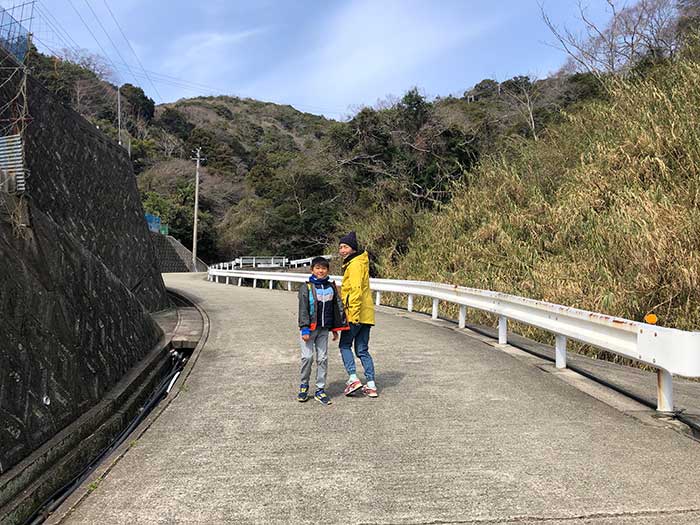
(350, 239)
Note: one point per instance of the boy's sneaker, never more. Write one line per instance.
(303, 394)
(369, 392)
(322, 397)
(352, 387)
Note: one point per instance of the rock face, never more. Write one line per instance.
(78, 277)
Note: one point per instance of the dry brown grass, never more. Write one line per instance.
(601, 214)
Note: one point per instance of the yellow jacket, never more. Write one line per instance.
(355, 293)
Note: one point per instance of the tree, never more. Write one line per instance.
(92, 62)
(523, 94)
(139, 105)
(175, 122)
(647, 29)
(414, 110)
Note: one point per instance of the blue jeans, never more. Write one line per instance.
(359, 333)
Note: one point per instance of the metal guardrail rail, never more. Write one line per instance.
(266, 262)
(296, 263)
(254, 262)
(669, 350)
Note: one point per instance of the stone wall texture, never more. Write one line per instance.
(173, 256)
(77, 280)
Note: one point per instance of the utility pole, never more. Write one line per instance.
(199, 159)
(119, 114)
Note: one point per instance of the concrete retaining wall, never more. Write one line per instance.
(78, 277)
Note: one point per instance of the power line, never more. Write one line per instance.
(48, 17)
(108, 37)
(132, 49)
(34, 37)
(151, 76)
(94, 37)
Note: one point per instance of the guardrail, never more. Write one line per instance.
(306, 262)
(669, 350)
(254, 262)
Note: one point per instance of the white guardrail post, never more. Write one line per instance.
(669, 350)
(560, 351)
(502, 330)
(664, 391)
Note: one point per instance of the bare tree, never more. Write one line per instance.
(168, 144)
(523, 93)
(645, 29)
(90, 61)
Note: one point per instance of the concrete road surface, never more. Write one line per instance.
(462, 432)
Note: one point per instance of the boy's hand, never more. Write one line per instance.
(305, 338)
(334, 336)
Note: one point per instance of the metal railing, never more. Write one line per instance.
(296, 263)
(669, 350)
(253, 262)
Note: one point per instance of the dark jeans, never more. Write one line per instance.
(359, 333)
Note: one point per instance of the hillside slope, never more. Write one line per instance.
(602, 213)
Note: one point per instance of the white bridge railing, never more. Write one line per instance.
(671, 351)
(253, 262)
(265, 262)
(296, 263)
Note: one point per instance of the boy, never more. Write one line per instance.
(320, 312)
(359, 309)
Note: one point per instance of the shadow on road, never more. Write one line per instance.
(385, 381)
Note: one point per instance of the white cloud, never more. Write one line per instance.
(370, 46)
(205, 57)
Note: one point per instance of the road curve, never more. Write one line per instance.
(462, 433)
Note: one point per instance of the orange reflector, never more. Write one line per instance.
(650, 318)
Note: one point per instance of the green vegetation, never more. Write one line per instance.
(580, 189)
(602, 213)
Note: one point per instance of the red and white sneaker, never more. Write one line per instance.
(350, 388)
(369, 392)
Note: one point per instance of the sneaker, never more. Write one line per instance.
(352, 387)
(369, 392)
(303, 394)
(322, 397)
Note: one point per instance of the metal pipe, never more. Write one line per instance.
(664, 381)
(272, 284)
(410, 303)
(289, 286)
(502, 330)
(227, 280)
(560, 351)
(436, 303)
(255, 283)
(378, 298)
(172, 382)
(462, 316)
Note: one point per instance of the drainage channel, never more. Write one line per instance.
(178, 359)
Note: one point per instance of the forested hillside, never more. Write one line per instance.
(578, 188)
(278, 180)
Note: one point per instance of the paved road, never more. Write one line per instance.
(462, 433)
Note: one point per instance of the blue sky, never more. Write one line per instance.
(326, 57)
